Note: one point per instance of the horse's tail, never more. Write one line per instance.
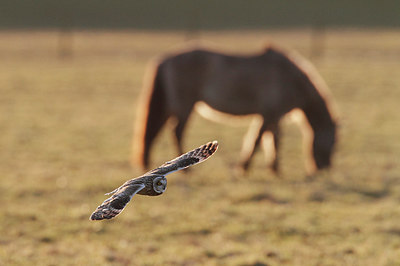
(152, 115)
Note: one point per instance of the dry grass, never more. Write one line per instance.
(66, 127)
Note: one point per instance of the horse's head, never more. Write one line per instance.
(323, 146)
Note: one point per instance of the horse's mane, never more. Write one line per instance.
(311, 73)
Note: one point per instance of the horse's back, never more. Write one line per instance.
(239, 85)
(184, 75)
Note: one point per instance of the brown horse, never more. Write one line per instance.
(269, 84)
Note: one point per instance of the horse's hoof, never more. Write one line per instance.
(275, 169)
(239, 171)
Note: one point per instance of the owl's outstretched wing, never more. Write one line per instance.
(193, 157)
(114, 205)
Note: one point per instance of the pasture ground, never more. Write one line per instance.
(66, 128)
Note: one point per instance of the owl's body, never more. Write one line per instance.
(149, 183)
(152, 183)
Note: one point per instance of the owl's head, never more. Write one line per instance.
(159, 184)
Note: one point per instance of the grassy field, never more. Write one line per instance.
(66, 127)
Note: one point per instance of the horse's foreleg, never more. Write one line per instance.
(271, 146)
(251, 143)
(181, 121)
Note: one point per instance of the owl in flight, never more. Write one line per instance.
(152, 183)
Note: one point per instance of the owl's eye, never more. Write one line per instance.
(159, 183)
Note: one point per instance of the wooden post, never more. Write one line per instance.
(318, 41)
(65, 43)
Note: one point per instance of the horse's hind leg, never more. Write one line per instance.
(181, 121)
(275, 163)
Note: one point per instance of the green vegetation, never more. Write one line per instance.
(66, 128)
(194, 15)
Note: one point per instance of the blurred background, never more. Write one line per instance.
(71, 73)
